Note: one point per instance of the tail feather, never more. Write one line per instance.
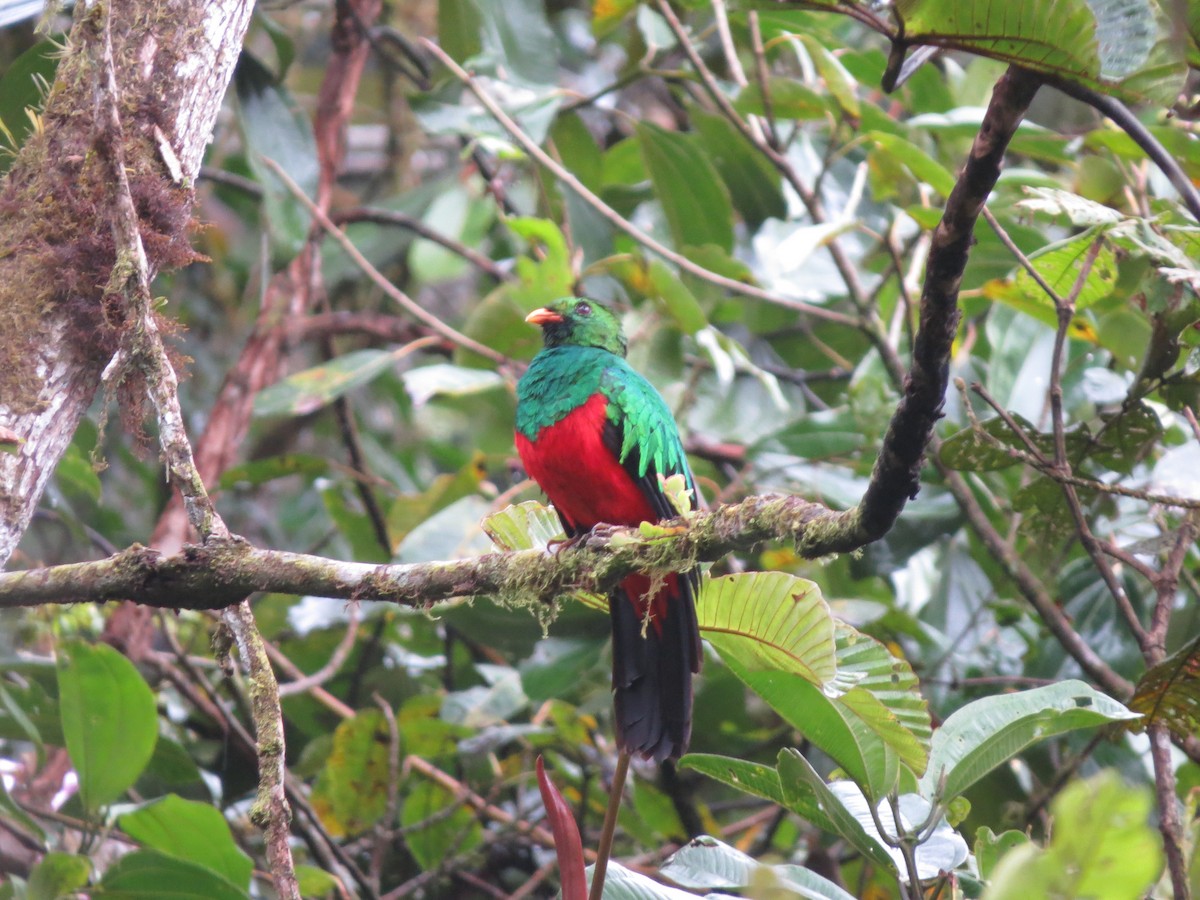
(652, 675)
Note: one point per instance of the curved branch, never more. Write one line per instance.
(897, 473)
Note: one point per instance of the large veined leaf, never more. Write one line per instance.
(807, 794)
(1060, 266)
(706, 863)
(1103, 846)
(351, 792)
(1124, 47)
(754, 184)
(988, 732)
(769, 620)
(750, 777)
(109, 719)
(1169, 693)
(621, 883)
(871, 720)
(532, 526)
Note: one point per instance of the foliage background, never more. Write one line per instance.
(412, 747)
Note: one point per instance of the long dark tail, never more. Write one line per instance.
(652, 675)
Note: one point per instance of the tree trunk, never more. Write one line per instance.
(58, 329)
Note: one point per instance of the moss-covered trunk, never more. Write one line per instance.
(58, 329)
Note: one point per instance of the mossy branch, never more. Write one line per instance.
(220, 573)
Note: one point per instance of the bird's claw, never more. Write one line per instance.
(599, 530)
(556, 545)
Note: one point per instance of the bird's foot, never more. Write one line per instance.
(600, 530)
(556, 546)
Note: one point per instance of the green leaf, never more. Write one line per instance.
(679, 301)
(189, 830)
(807, 795)
(1133, 56)
(750, 777)
(517, 40)
(459, 27)
(275, 127)
(261, 471)
(446, 380)
(923, 166)
(150, 875)
(769, 621)
(534, 111)
(1103, 847)
(436, 824)
(109, 720)
(1169, 693)
(306, 392)
(58, 875)
(941, 849)
(838, 81)
(351, 792)
(314, 882)
(991, 847)
(706, 863)
(789, 99)
(970, 451)
(693, 197)
(1059, 265)
(17, 820)
(988, 732)
(755, 186)
(1127, 437)
(1077, 210)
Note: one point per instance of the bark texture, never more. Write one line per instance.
(58, 326)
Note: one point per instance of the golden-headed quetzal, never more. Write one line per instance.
(596, 436)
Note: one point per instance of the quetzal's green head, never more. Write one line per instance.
(574, 322)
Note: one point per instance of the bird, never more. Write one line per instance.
(600, 440)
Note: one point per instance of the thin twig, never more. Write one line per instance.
(608, 832)
(1142, 136)
(1065, 308)
(411, 306)
(415, 225)
(333, 665)
(1169, 824)
(142, 347)
(659, 249)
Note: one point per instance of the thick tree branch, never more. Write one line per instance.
(220, 573)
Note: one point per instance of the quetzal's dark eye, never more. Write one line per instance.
(583, 308)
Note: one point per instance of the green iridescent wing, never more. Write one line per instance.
(641, 432)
